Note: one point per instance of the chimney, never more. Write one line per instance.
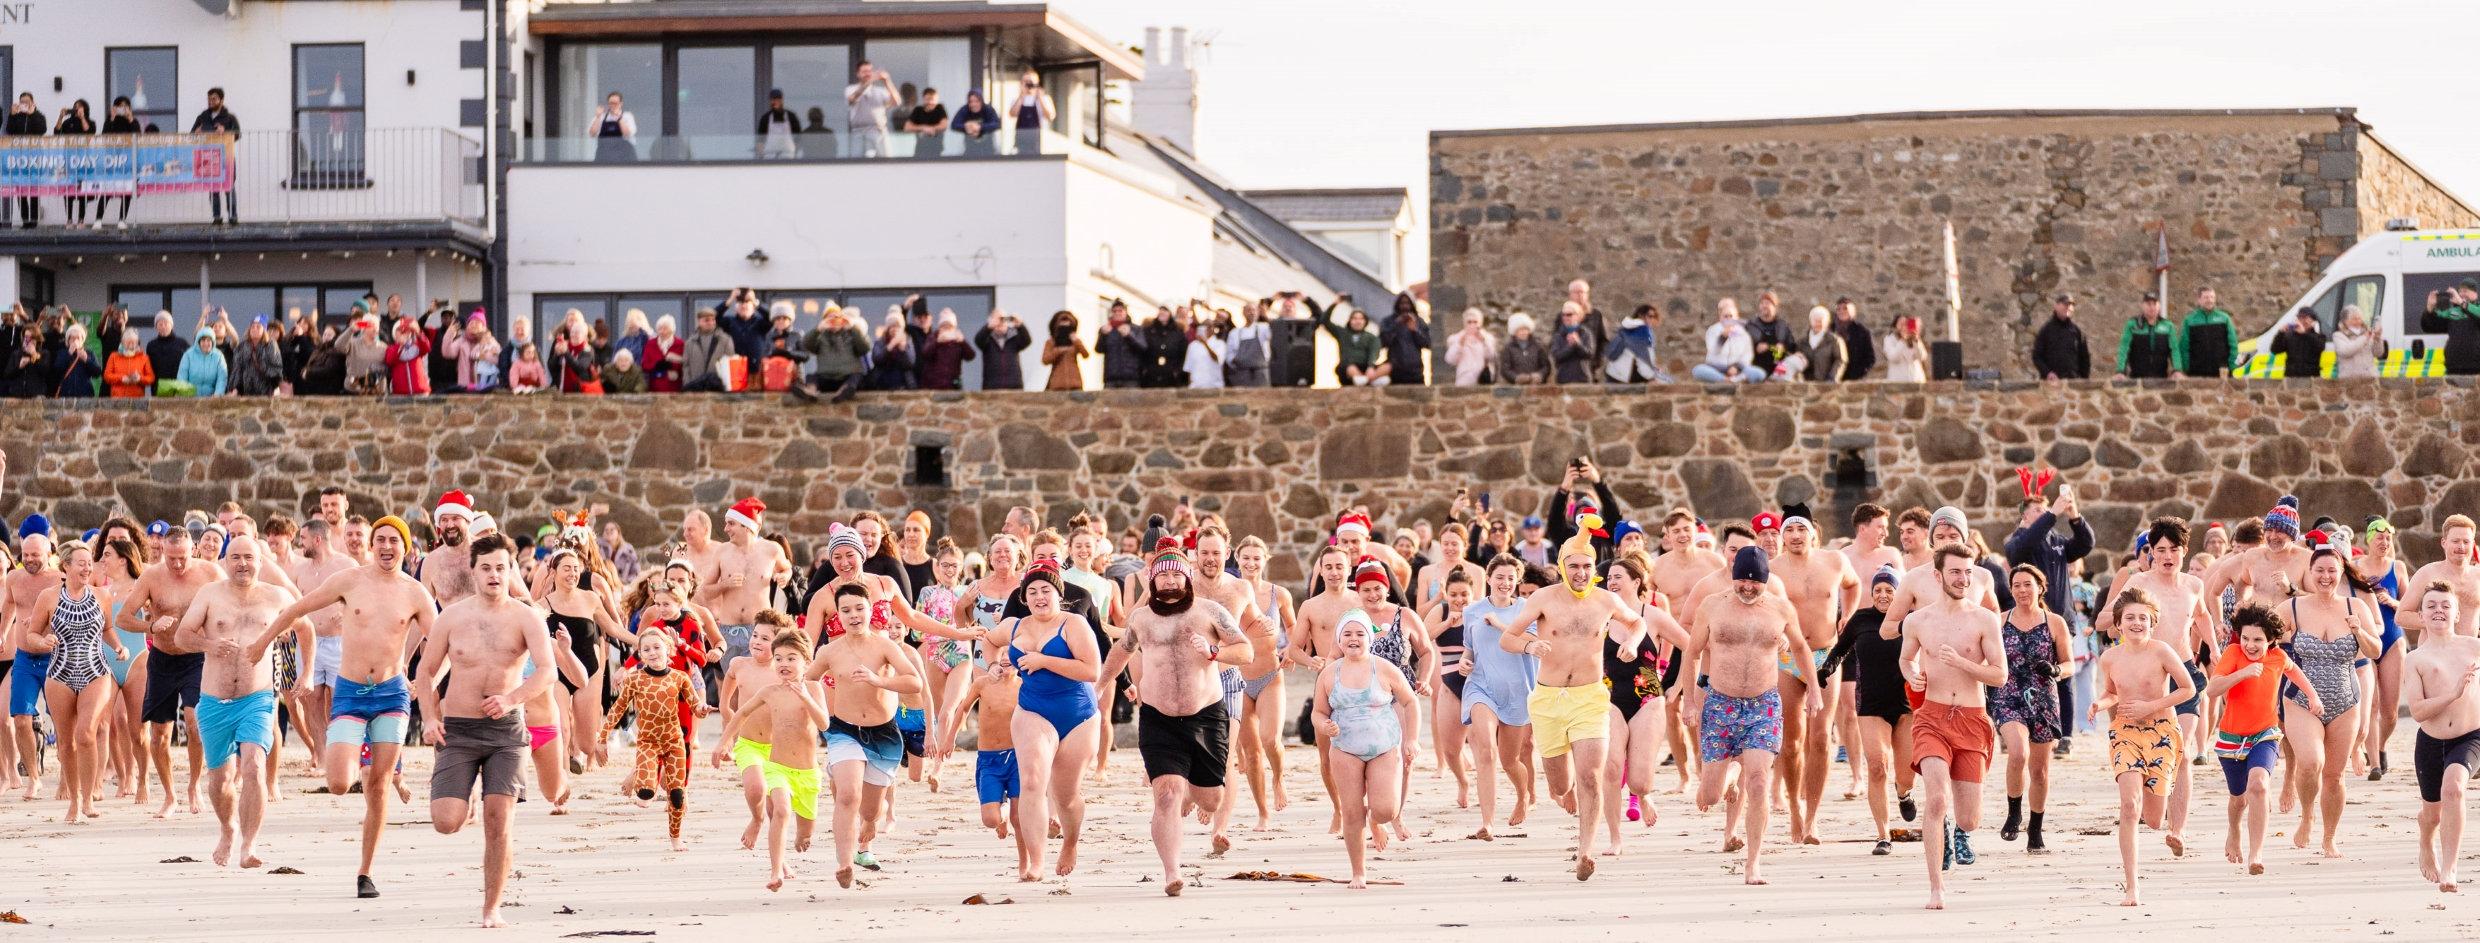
(1165, 104)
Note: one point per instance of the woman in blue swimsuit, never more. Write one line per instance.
(1364, 707)
(1057, 657)
(1497, 687)
(2381, 568)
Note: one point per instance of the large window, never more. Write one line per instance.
(151, 77)
(915, 65)
(8, 74)
(812, 79)
(327, 114)
(588, 74)
(331, 302)
(2417, 286)
(717, 101)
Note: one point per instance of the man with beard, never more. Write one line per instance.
(158, 601)
(735, 588)
(1953, 654)
(1823, 590)
(371, 704)
(1183, 729)
(447, 571)
(1571, 706)
(1735, 645)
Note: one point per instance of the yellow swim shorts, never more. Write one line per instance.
(2151, 750)
(802, 783)
(1562, 716)
(747, 753)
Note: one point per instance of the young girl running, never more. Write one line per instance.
(654, 692)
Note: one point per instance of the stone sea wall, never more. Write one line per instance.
(2255, 204)
(1276, 463)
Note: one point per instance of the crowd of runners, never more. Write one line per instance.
(1738, 657)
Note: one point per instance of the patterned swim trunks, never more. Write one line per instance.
(1735, 725)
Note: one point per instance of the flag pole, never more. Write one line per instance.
(1954, 288)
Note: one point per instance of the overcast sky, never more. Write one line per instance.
(1345, 92)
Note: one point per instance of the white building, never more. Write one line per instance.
(359, 167)
(388, 102)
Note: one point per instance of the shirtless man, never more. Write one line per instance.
(1211, 582)
(697, 541)
(1182, 639)
(865, 671)
(2457, 570)
(385, 614)
(159, 600)
(1682, 562)
(2441, 684)
(1735, 648)
(1824, 591)
(1571, 706)
(2272, 572)
(1315, 644)
(334, 506)
(1911, 535)
(1946, 526)
(20, 595)
(317, 563)
(237, 698)
(2144, 740)
(2183, 618)
(447, 571)
(353, 540)
(733, 581)
(1952, 653)
(478, 727)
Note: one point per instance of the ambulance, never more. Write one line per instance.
(2392, 276)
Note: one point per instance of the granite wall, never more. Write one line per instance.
(2253, 203)
(1276, 463)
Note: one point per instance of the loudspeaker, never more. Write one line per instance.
(1945, 360)
(1294, 357)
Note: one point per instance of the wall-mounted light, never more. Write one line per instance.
(408, 76)
(56, 86)
(756, 257)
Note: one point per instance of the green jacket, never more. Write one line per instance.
(837, 354)
(2155, 336)
(2202, 319)
(1355, 348)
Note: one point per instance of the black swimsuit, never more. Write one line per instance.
(584, 638)
(1450, 644)
(1632, 682)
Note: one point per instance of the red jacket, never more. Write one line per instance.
(407, 373)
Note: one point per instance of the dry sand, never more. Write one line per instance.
(605, 868)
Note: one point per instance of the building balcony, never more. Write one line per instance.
(345, 188)
(835, 145)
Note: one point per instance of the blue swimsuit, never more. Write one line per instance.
(1056, 698)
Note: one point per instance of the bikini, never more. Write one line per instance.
(1253, 688)
(1054, 697)
(1365, 718)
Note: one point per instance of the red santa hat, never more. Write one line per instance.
(1765, 521)
(1369, 570)
(453, 503)
(1352, 523)
(746, 512)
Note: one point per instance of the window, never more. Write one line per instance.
(2417, 286)
(716, 101)
(591, 72)
(8, 74)
(151, 77)
(812, 79)
(328, 120)
(945, 64)
(331, 302)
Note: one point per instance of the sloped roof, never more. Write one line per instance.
(1252, 227)
(1333, 204)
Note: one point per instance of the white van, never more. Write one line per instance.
(2390, 276)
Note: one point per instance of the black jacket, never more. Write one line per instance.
(2039, 544)
(1766, 338)
(164, 354)
(215, 119)
(2461, 326)
(1406, 338)
(1124, 357)
(1859, 348)
(2303, 352)
(1001, 370)
(2058, 350)
(1166, 354)
(1573, 350)
(28, 124)
(1558, 519)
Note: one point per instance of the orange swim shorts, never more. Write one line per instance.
(1961, 736)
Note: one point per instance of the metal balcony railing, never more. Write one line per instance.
(338, 174)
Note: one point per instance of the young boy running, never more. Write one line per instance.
(789, 713)
(2248, 678)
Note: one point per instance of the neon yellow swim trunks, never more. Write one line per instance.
(747, 753)
(802, 783)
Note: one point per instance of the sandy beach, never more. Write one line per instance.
(605, 868)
